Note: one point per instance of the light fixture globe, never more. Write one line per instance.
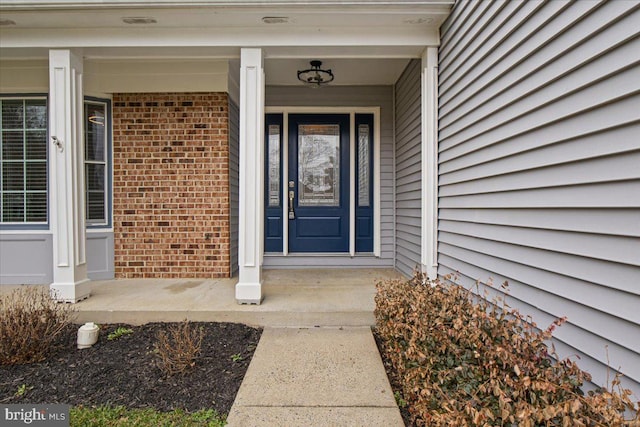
(315, 76)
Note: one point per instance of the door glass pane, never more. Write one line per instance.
(319, 165)
(274, 165)
(363, 166)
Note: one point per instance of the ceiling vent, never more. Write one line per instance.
(139, 20)
(275, 19)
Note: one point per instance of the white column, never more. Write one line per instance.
(251, 229)
(429, 243)
(66, 176)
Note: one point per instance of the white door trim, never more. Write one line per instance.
(352, 184)
(285, 184)
(352, 111)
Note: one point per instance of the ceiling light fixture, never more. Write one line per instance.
(315, 76)
(139, 20)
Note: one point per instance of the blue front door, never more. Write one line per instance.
(318, 186)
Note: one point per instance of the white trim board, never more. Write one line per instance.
(429, 153)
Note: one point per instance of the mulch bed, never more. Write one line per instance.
(393, 378)
(124, 371)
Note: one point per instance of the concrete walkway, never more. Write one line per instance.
(315, 377)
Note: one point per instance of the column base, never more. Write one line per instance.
(70, 292)
(249, 293)
(431, 271)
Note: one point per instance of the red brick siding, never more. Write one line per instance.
(171, 185)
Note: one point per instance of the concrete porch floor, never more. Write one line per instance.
(301, 297)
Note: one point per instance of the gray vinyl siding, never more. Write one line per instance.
(26, 259)
(234, 181)
(538, 158)
(351, 96)
(100, 255)
(408, 168)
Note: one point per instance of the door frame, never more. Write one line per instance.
(351, 111)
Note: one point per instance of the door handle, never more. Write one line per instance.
(292, 214)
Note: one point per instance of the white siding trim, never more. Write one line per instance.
(25, 232)
(429, 221)
(376, 186)
(327, 110)
(352, 184)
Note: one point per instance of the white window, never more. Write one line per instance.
(23, 160)
(97, 167)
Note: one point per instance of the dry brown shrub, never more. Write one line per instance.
(30, 325)
(466, 361)
(178, 347)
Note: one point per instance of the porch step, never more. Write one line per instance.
(256, 319)
(292, 298)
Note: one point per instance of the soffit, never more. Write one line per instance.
(100, 24)
(364, 42)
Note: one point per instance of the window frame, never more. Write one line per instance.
(24, 225)
(108, 162)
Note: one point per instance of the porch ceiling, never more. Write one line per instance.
(270, 18)
(363, 42)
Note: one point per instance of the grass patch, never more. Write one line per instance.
(120, 416)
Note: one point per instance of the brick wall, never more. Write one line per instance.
(171, 185)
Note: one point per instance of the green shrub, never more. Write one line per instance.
(119, 332)
(30, 324)
(465, 361)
